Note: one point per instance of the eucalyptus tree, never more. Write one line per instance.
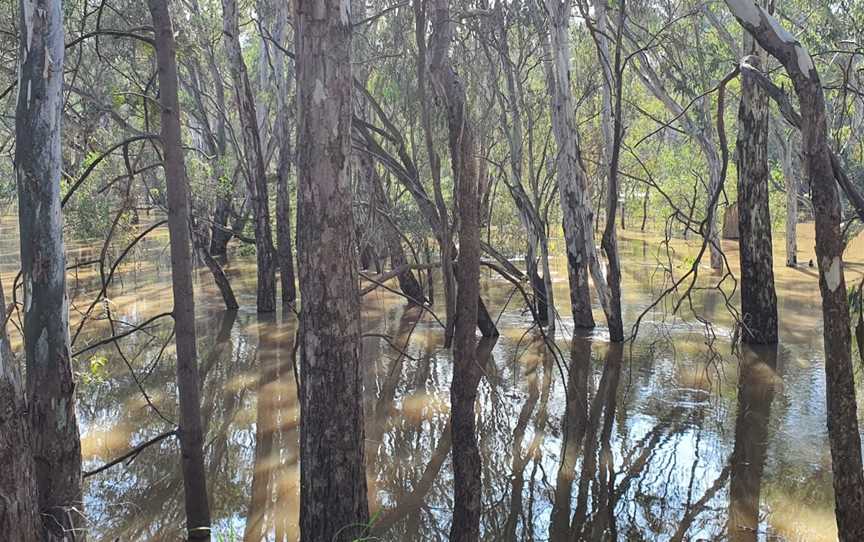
(843, 435)
(758, 297)
(19, 502)
(575, 198)
(274, 27)
(190, 431)
(467, 372)
(519, 125)
(333, 501)
(38, 162)
(255, 168)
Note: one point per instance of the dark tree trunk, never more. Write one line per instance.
(843, 432)
(758, 297)
(38, 160)
(466, 370)
(190, 431)
(19, 502)
(219, 234)
(256, 171)
(333, 502)
(755, 393)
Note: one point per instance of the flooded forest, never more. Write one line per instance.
(423, 270)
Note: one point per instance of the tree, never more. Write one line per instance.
(38, 161)
(19, 502)
(758, 298)
(255, 169)
(333, 502)
(466, 370)
(276, 13)
(190, 431)
(845, 441)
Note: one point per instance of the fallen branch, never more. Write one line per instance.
(131, 454)
(377, 280)
(114, 338)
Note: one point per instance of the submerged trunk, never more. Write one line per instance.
(282, 133)
(843, 432)
(466, 370)
(572, 181)
(333, 502)
(256, 171)
(38, 160)
(613, 135)
(190, 430)
(758, 297)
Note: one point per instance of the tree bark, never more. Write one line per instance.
(333, 502)
(19, 501)
(843, 433)
(466, 370)
(190, 431)
(38, 160)
(758, 297)
(256, 170)
(613, 134)
(573, 190)
(282, 134)
(791, 180)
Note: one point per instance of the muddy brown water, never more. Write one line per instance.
(675, 438)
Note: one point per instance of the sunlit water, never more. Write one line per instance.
(664, 440)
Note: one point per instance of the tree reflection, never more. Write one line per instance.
(756, 382)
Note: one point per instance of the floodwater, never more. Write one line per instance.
(677, 437)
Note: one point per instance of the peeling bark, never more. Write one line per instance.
(576, 208)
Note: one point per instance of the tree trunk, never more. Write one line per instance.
(256, 171)
(190, 430)
(19, 501)
(613, 134)
(38, 160)
(513, 128)
(408, 283)
(731, 227)
(843, 432)
(466, 371)
(789, 175)
(333, 502)
(758, 297)
(282, 133)
(572, 182)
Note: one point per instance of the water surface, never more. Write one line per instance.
(677, 437)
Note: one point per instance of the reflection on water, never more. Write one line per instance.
(669, 439)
